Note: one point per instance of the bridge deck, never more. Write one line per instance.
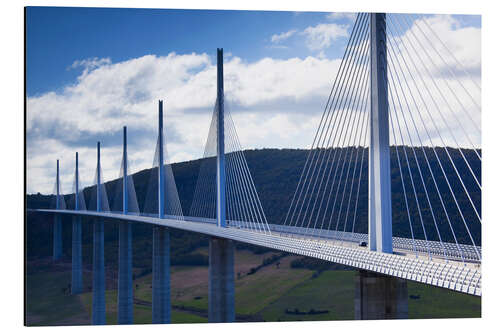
(454, 275)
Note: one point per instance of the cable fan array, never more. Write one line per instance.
(435, 138)
(171, 204)
(243, 206)
(57, 198)
(98, 189)
(337, 160)
(125, 203)
(427, 113)
(436, 184)
(77, 199)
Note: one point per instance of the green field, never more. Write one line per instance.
(263, 296)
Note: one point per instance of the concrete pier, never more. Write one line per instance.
(161, 275)
(125, 289)
(57, 244)
(76, 256)
(221, 281)
(380, 296)
(99, 276)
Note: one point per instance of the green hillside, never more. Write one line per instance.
(289, 292)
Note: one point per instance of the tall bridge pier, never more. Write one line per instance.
(161, 242)
(221, 251)
(125, 289)
(161, 275)
(221, 281)
(379, 296)
(99, 275)
(76, 242)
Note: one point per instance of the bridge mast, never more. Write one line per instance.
(76, 182)
(99, 203)
(161, 182)
(57, 184)
(57, 241)
(125, 192)
(379, 296)
(76, 242)
(221, 168)
(380, 208)
(221, 251)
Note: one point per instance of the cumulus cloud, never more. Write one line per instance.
(322, 35)
(90, 63)
(274, 103)
(110, 95)
(317, 37)
(277, 38)
(444, 97)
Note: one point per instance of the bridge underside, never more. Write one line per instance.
(379, 296)
(453, 275)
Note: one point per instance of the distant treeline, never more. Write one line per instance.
(276, 173)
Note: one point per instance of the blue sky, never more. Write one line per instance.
(57, 36)
(91, 71)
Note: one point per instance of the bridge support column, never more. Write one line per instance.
(221, 281)
(161, 275)
(76, 256)
(57, 245)
(125, 289)
(380, 296)
(379, 180)
(99, 277)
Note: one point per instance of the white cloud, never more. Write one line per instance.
(322, 35)
(340, 16)
(274, 103)
(89, 64)
(278, 38)
(442, 98)
(317, 37)
(463, 42)
(111, 95)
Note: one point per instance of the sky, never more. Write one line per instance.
(90, 71)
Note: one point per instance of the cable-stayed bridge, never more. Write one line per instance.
(400, 101)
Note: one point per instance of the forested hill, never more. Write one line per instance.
(276, 173)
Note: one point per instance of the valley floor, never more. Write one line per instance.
(273, 293)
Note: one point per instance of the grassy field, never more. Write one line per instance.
(263, 296)
(331, 290)
(46, 304)
(142, 313)
(441, 303)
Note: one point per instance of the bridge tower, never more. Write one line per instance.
(76, 241)
(57, 245)
(380, 213)
(125, 289)
(379, 296)
(99, 276)
(221, 251)
(161, 242)
(221, 160)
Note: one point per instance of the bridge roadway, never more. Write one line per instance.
(404, 263)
